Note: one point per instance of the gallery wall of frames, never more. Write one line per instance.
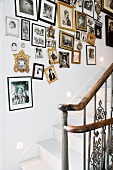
(83, 26)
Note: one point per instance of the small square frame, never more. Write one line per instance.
(98, 30)
(90, 55)
(38, 71)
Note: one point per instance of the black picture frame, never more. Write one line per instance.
(31, 12)
(88, 7)
(25, 30)
(109, 30)
(90, 55)
(47, 12)
(98, 30)
(20, 92)
(38, 71)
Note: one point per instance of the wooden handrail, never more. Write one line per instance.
(90, 94)
(88, 127)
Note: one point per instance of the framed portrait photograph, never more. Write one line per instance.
(91, 55)
(20, 92)
(48, 12)
(109, 30)
(91, 38)
(50, 32)
(98, 1)
(12, 27)
(90, 22)
(81, 21)
(66, 40)
(66, 16)
(65, 1)
(76, 57)
(107, 7)
(38, 35)
(28, 9)
(48, 42)
(39, 52)
(84, 36)
(78, 35)
(38, 71)
(53, 56)
(98, 30)
(64, 60)
(51, 74)
(88, 7)
(53, 44)
(25, 30)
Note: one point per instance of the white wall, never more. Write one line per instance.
(34, 124)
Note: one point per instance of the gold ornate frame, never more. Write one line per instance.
(47, 70)
(53, 56)
(79, 25)
(51, 32)
(21, 62)
(91, 38)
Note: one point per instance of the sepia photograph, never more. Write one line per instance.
(25, 30)
(38, 71)
(91, 55)
(88, 7)
(51, 74)
(76, 57)
(109, 30)
(64, 60)
(107, 7)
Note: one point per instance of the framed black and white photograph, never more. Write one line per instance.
(38, 35)
(20, 92)
(49, 42)
(109, 30)
(50, 73)
(38, 52)
(12, 27)
(48, 12)
(64, 60)
(91, 55)
(81, 21)
(73, 3)
(88, 7)
(98, 30)
(25, 30)
(53, 56)
(28, 9)
(38, 71)
(84, 36)
(78, 35)
(107, 7)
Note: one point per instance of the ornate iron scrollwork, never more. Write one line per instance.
(100, 113)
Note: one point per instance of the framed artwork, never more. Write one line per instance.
(21, 62)
(80, 2)
(38, 71)
(107, 7)
(20, 92)
(91, 55)
(81, 21)
(90, 22)
(84, 36)
(79, 46)
(91, 38)
(66, 41)
(98, 30)
(91, 30)
(97, 9)
(38, 35)
(38, 52)
(64, 60)
(66, 18)
(12, 27)
(53, 56)
(25, 30)
(109, 30)
(73, 3)
(48, 12)
(53, 44)
(27, 9)
(48, 42)
(65, 1)
(76, 57)
(51, 74)
(88, 7)
(51, 32)
(78, 35)
(14, 46)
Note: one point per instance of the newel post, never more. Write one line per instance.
(65, 164)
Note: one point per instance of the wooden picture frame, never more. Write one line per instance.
(91, 38)
(25, 30)
(38, 71)
(90, 55)
(53, 56)
(66, 16)
(81, 21)
(66, 40)
(106, 7)
(76, 57)
(50, 32)
(29, 10)
(109, 30)
(51, 74)
(20, 92)
(88, 7)
(64, 59)
(48, 12)
(38, 35)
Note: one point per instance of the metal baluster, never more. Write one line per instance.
(84, 144)
(89, 150)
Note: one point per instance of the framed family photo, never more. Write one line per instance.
(88, 7)
(20, 92)
(51, 74)
(25, 30)
(48, 12)
(81, 21)
(12, 27)
(109, 30)
(53, 56)
(28, 9)
(38, 35)
(76, 57)
(91, 55)
(107, 7)
(38, 71)
(66, 41)
(66, 16)
(91, 38)
(64, 60)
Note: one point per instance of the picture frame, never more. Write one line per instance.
(98, 29)
(48, 42)
(80, 2)
(29, 10)
(81, 21)
(20, 93)
(78, 35)
(98, 1)
(76, 57)
(39, 52)
(73, 3)
(65, 1)
(91, 38)
(50, 74)
(64, 59)
(25, 30)
(50, 32)
(90, 55)
(53, 56)
(38, 71)
(84, 36)
(107, 7)
(21, 62)
(66, 16)
(66, 40)
(38, 35)
(12, 26)
(53, 45)
(88, 7)
(48, 12)
(109, 30)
